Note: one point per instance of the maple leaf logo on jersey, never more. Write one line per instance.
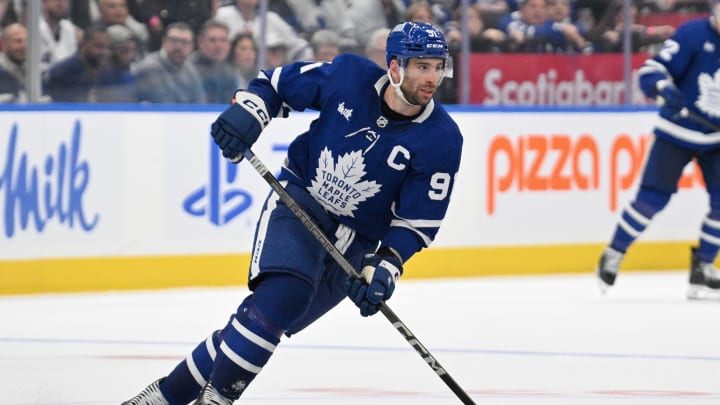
(709, 97)
(339, 186)
(345, 112)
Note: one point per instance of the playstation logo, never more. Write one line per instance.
(217, 200)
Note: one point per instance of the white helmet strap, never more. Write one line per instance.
(396, 86)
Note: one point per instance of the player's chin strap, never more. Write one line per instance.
(447, 72)
(397, 85)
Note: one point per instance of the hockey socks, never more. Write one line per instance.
(183, 384)
(709, 238)
(636, 217)
(630, 225)
(253, 333)
(233, 356)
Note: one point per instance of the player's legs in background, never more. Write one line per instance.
(663, 167)
(703, 275)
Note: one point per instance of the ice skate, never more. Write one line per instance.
(151, 395)
(608, 267)
(210, 396)
(704, 280)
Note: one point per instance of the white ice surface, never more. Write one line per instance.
(505, 340)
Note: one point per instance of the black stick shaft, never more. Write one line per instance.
(348, 268)
(699, 119)
(692, 116)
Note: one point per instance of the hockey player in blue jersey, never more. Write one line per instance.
(684, 77)
(375, 171)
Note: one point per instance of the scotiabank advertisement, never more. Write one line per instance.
(560, 80)
(152, 182)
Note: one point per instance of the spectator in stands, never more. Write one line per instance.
(13, 43)
(158, 14)
(7, 13)
(482, 38)
(443, 12)
(243, 16)
(314, 15)
(82, 12)
(369, 15)
(573, 37)
(243, 55)
(276, 52)
(58, 36)
(325, 45)
(116, 12)
(528, 27)
(688, 6)
(608, 33)
(219, 77)
(421, 11)
(76, 78)
(589, 12)
(375, 47)
(166, 76)
(118, 83)
(281, 8)
(499, 6)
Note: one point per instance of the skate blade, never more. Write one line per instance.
(702, 293)
(603, 285)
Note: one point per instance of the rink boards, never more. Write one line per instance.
(124, 197)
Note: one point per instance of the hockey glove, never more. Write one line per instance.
(670, 98)
(377, 280)
(239, 126)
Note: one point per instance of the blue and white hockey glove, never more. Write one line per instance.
(239, 126)
(670, 98)
(377, 280)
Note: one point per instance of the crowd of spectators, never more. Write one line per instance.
(199, 51)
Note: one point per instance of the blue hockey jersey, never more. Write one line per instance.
(691, 60)
(389, 180)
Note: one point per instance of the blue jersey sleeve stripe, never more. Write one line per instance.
(653, 66)
(399, 223)
(275, 79)
(421, 223)
(310, 67)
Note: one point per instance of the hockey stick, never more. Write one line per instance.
(699, 119)
(348, 268)
(685, 113)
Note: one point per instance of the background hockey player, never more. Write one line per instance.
(375, 171)
(684, 77)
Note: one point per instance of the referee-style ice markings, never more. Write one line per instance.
(527, 340)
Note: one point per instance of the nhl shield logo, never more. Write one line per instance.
(381, 121)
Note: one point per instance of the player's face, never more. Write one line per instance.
(422, 76)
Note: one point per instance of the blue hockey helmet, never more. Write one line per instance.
(415, 40)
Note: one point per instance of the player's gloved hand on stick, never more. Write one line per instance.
(377, 280)
(670, 98)
(239, 126)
